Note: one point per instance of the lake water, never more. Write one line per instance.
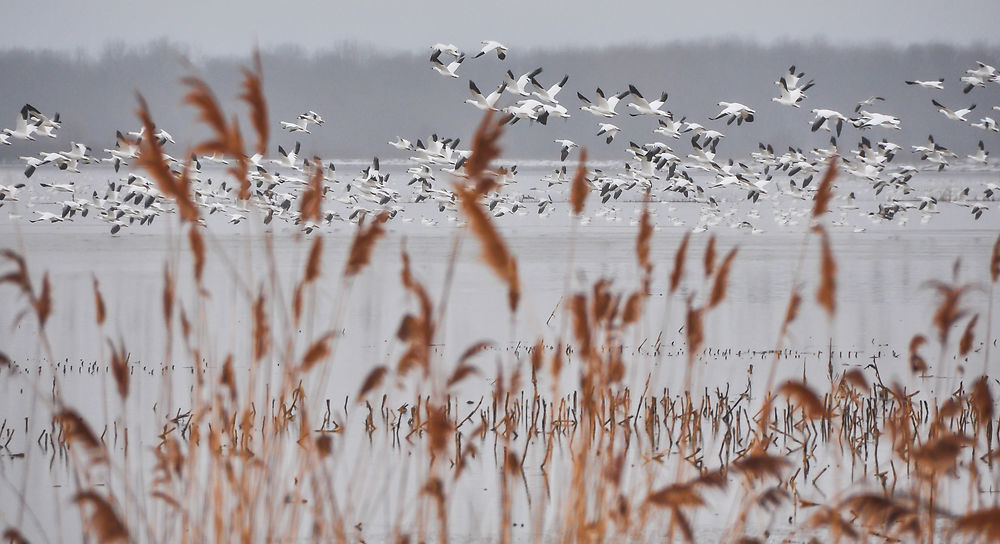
(882, 301)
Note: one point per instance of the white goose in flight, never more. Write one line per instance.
(956, 115)
(645, 107)
(549, 95)
(868, 119)
(441, 68)
(602, 106)
(981, 155)
(301, 126)
(46, 126)
(402, 144)
(564, 148)
(449, 48)
(23, 130)
(825, 118)
(490, 45)
(487, 102)
(735, 112)
(670, 128)
(519, 86)
(791, 96)
(988, 124)
(609, 130)
(290, 159)
(930, 84)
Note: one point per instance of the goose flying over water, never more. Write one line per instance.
(519, 86)
(933, 84)
(449, 48)
(490, 45)
(791, 96)
(987, 123)
(981, 155)
(609, 130)
(824, 118)
(548, 95)
(564, 148)
(23, 130)
(487, 102)
(446, 70)
(645, 107)
(601, 106)
(956, 115)
(735, 112)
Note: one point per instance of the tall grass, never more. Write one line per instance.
(255, 456)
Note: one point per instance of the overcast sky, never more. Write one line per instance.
(233, 27)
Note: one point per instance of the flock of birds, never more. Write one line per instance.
(671, 176)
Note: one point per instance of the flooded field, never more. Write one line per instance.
(560, 418)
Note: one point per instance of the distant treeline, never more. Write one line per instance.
(368, 98)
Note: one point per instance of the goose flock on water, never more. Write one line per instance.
(670, 176)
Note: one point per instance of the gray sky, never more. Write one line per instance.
(232, 27)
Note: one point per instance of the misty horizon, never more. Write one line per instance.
(382, 95)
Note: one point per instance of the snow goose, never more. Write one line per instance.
(449, 48)
(956, 115)
(490, 45)
(972, 82)
(608, 130)
(312, 117)
(987, 123)
(487, 102)
(549, 95)
(602, 106)
(46, 126)
(930, 84)
(301, 126)
(824, 118)
(519, 86)
(867, 102)
(868, 119)
(790, 78)
(46, 216)
(981, 155)
(23, 130)
(530, 109)
(735, 112)
(564, 148)
(645, 107)
(670, 128)
(791, 96)
(290, 159)
(402, 144)
(446, 70)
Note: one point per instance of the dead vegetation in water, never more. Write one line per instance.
(252, 458)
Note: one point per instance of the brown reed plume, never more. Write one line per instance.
(151, 159)
(98, 302)
(578, 188)
(103, 521)
(253, 95)
(679, 257)
(485, 147)
(719, 285)
(709, 260)
(41, 301)
(826, 293)
(821, 200)
(13, 536)
(312, 198)
(364, 243)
